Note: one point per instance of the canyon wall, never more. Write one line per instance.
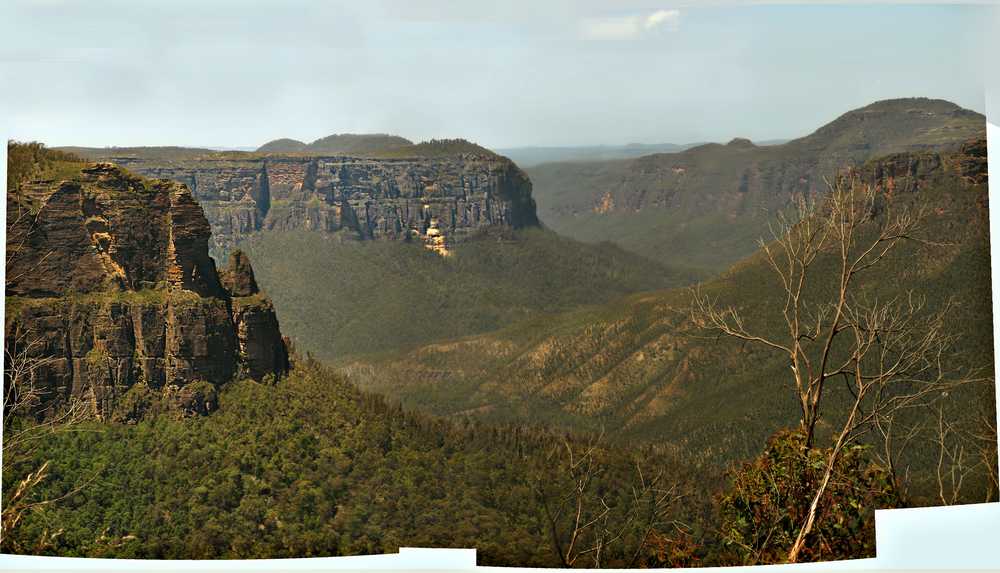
(111, 290)
(434, 199)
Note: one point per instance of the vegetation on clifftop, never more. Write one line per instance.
(32, 160)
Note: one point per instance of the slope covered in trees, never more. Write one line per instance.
(643, 366)
(341, 298)
(312, 467)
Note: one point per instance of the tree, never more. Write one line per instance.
(29, 414)
(762, 512)
(584, 523)
(965, 451)
(890, 355)
(25, 423)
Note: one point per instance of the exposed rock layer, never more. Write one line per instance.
(390, 199)
(909, 172)
(110, 285)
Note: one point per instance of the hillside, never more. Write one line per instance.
(640, 368)
(531, 156)
(283, 145)
(709, 203)
(338, 297)
(311, 467)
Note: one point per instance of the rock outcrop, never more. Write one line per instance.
(909, 172)
(110, 287)
(361, 198)
(238, 276)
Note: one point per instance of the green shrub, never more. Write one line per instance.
(135, 404)
(769, 499)
(30, 160)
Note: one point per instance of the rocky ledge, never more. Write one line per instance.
(112, 297)
(910, 171)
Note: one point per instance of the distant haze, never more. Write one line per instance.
(513, 74)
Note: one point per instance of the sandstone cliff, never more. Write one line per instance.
(908, 172)
(391, 198)
(110, 288)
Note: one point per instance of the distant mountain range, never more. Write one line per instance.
(347, 143)
(530, 156)
(705, 206)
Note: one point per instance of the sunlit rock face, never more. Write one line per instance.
(110, 286)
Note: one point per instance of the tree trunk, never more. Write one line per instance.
(800, 540)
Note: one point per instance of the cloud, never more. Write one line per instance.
(668, 18)
(629, 27)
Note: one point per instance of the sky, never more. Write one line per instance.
(503, 74)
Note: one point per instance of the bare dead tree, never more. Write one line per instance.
(646, 514)
(963, 451)
(953, 463)
(564, 511)
(582, 526)
(984, 444)
(895, 440)
(888, 353)
(832, 226)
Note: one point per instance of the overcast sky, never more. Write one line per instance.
(521, 73)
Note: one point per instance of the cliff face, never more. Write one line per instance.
(910, 172)
(366, 199)
(110, 287)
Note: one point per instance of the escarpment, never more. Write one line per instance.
(910, 172)
(433, 199)
(111, 292)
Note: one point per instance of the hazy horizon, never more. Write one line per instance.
(560, 74)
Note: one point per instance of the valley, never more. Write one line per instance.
(341, 297)
(604, 285)
(432, 342)
(639, 367)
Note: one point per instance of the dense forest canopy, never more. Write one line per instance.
(552, 404)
